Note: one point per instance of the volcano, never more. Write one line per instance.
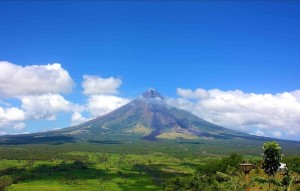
(150, 122)
(149, 117)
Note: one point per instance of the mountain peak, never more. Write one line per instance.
(152, 94)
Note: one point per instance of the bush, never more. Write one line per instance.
(80, 165)
(5, 181)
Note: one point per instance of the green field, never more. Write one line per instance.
(79, 170)
(127, 166)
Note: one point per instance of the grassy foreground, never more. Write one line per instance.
(141, 166)
(96, 171)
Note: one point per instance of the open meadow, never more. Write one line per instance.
(142, 165)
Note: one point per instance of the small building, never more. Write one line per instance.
(282, 167)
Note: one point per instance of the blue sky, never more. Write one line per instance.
(196, 53)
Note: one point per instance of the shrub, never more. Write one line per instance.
(5, 181)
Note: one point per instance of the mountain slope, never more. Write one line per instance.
(149, 117)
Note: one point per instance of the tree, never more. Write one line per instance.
(272, 157)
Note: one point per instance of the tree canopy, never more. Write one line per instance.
(272, 157)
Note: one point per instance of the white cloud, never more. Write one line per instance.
(18, 81)
(11, 119)
(197, 94)
(3, 133)
(259, 133)
(100, 96)
(19, 126)
(46, 106)
(11, 114)
(39, 88)
(277, 134)
(77, 118)
(278, 113)
(102, 104)
(94, 85)
(16, 125)
(10, 127)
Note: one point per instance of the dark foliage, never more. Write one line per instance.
(32, 139)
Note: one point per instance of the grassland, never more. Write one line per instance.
(126, 165)
(78, 170)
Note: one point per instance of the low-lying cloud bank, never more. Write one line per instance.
(274, 115)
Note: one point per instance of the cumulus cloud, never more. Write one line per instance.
(11, 114)
(11, 118)
(46, 106)
(95, 85)
(39, 89)
(263, 114)
(2, 133)
(17, 80)
(102, 104)
(9, 127)
(100, 95)
(77, 118)
(197, 94)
